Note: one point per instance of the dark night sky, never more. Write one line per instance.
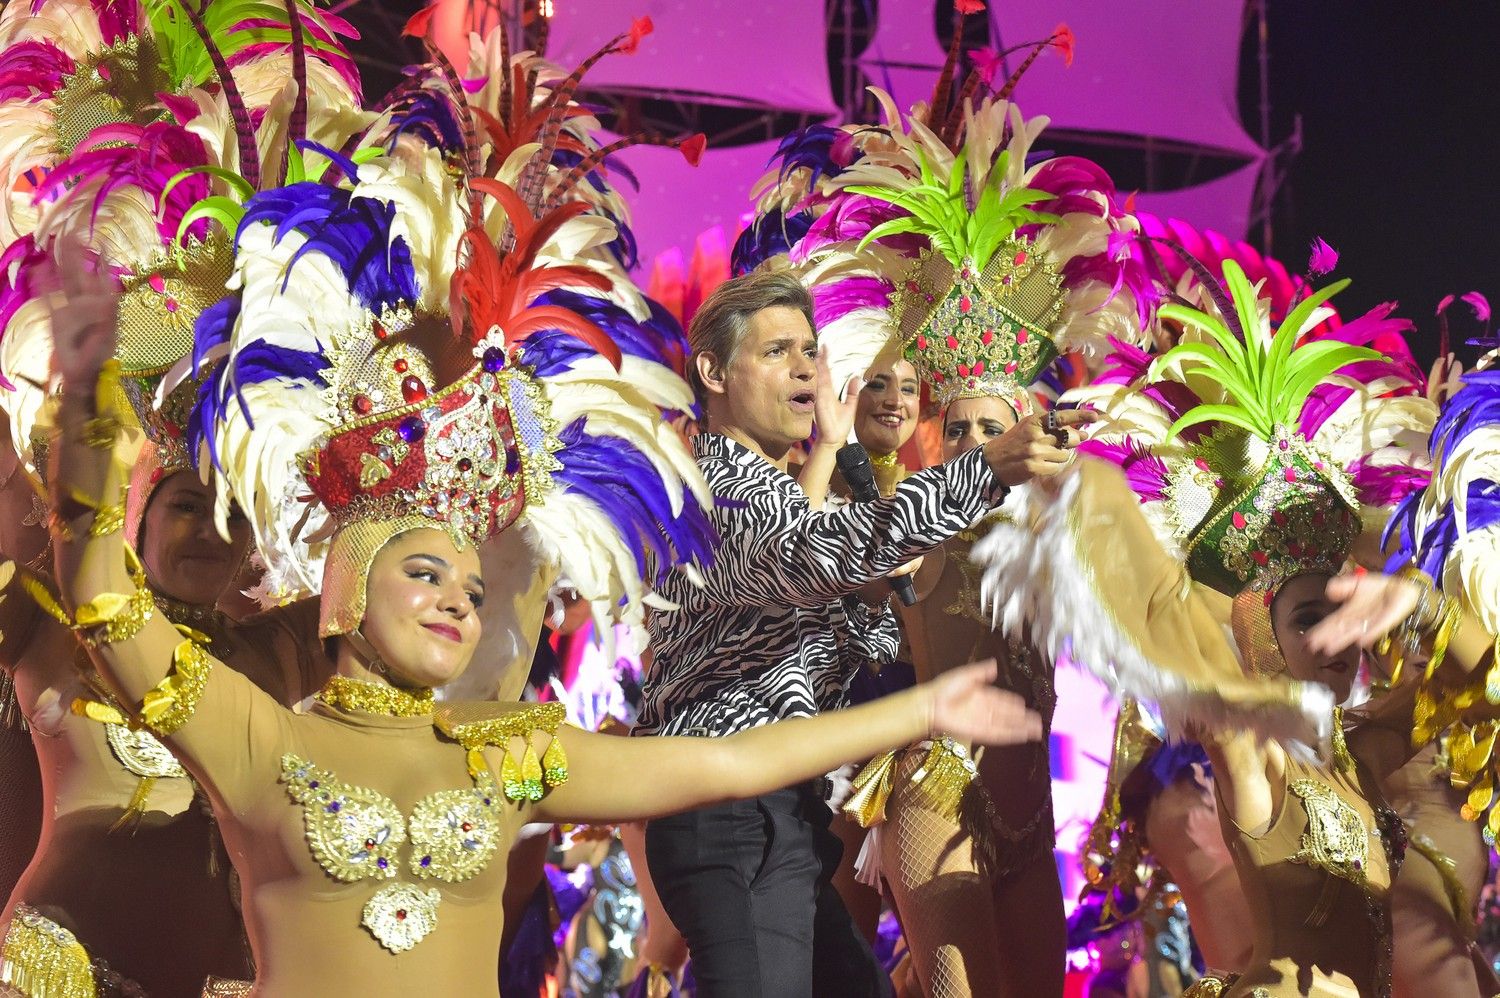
(1400, 109)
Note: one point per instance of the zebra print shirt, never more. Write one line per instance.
(775, 631)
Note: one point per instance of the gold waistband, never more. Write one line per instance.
(41, 959)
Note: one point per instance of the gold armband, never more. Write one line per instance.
(108, 520)
(169, 704)
(100, 432)
(114, 617)
(40, 957)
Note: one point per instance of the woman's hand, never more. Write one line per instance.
(83, 314)
(1371, 605)
(833, 416)
(965, 705)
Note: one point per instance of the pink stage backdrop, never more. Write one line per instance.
(677, 201)
(1222, 205)
(1153, 68)
(714, 51)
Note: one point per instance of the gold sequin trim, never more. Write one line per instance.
(44, 960)
(529, 778)
(376, 698)
(168, 705)
(353, 832)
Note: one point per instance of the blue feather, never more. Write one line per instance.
(771, 234)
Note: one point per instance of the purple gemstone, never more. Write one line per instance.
(512, 460)
(426, 861)
(412, 428)
(382, 862)
(486, 802)
(335, 807)
(312, 785)
(493, 360)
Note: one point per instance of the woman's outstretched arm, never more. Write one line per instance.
(615, 779)
(168, 681)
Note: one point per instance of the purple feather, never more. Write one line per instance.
(33, 70)
(1145, 472)
(771, 234)
(622, 482)
(1125, 364)
(352, 232)
(837, 299)
(1475, 405)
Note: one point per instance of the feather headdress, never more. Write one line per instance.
(159, 198)
(68, 67)
(373, 388)
(1253, 460)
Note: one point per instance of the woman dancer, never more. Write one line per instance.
(1262, 512)
(129, 888)
(407, 492)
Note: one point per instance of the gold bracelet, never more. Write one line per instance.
(169, 704)
(100, 432)
(108, 520)
(119, 616)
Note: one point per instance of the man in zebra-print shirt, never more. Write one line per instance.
(794, 600)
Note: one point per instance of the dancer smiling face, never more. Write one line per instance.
(887, 413)
(184, 556)
(427, 591)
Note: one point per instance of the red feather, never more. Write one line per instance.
(420, 23)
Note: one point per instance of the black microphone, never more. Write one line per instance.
(854, 465)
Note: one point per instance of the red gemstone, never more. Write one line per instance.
(921, 342)
(400, 914)
(1022, 336)
(467, 827)
(1238, 519)
(964, 304)
(369, 843)
(1291, 474)
(363, 405)
(1010, 368)
(986, 336)
(963, 370)
(464, 464)
(401, 365)
(380, 332)
(1020, 257)
(1260, 557)
(953, 343)
(412, 389)
(979, 369)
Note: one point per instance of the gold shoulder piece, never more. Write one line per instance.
(477, 724)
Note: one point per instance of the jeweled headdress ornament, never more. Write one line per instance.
(1260, 455)
(373, 388)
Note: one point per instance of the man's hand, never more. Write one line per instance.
(1030, 450)
(834, 417)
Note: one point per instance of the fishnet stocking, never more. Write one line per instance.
(946, 905)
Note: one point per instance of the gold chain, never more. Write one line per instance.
(376, 698)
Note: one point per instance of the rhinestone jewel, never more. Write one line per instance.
(412, 428)
(401, 915)
(412, 389)
(493, 360)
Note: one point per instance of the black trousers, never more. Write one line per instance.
(747, 885)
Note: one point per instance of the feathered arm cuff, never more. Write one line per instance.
(1084, 575)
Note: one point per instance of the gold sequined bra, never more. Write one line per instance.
(355, 833)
